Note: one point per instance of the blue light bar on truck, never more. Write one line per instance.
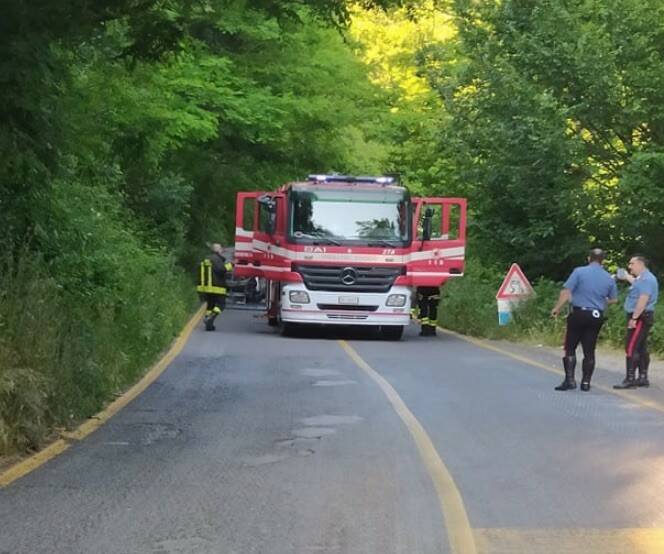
(351, 179)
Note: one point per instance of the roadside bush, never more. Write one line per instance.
(22, 409)
(29, 309)
(469, 306)
(83, 320)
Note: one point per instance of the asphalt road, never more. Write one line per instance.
(255, 443)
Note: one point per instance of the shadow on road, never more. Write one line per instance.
(336, 332)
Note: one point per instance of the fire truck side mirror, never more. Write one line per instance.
(426, 224)
(272, 222)
(269, 223)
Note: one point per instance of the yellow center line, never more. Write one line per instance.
(459, 532)
(24, 467)
(635, 399)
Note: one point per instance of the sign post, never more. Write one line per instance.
(515, 288)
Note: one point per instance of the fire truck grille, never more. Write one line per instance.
(345, 308)
(347, 317)
(348, 278)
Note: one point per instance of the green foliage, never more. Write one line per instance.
(26, 346)
(468, 304)
(65, 350)
(23, 422)
(394, 44)
(551, 126)
(301, 103)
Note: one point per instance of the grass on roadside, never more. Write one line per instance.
(63, 355)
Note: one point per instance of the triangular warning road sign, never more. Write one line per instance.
(515, 285)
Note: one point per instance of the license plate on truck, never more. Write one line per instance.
(349, 300)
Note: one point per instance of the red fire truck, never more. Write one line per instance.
(343, 250)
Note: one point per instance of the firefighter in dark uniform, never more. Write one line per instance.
(640, 309)
(588, 289)
(212, 285)
(427, 302)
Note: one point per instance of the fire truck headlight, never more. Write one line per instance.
(298, 297)
(397, 300)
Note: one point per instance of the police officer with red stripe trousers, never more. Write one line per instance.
(640, 308)
(589, 289)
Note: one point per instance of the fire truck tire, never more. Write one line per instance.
(289, 329)
(391, 332)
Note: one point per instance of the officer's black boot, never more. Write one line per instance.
(628, 382)
(644, 363)
(588, 368)
(569, 363)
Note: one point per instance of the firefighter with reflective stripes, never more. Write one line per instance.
(640, 309)
(588, 289)
(212, 284)
(427, 301)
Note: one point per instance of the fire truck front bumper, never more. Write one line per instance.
(300, 305)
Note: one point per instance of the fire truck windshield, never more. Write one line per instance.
(378, 217)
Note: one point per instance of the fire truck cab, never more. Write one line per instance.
(344, 250)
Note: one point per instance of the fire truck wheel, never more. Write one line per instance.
(288, 329)
(391, 332)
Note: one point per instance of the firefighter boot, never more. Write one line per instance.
(644, 363)
(428, 330)
(588, 367)
(215, 312)
(209, 321)
(569, 363)
(628, 382)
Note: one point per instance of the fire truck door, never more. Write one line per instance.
(268, 240)
(246, 215)
(259, 233)
(439, 231)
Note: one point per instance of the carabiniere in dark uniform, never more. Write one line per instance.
(640, 310)
(589, 289)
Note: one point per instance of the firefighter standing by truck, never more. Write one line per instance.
(427, 297)
(212, 284)
(427, 303)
